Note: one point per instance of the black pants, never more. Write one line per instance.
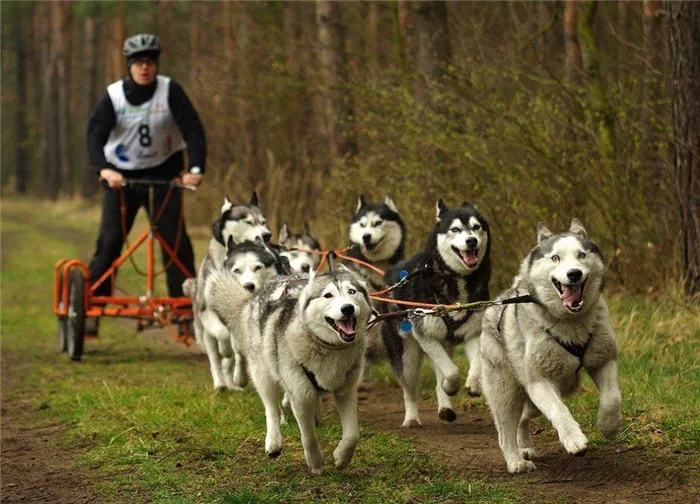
(111, 237)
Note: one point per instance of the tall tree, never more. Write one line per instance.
(21, 35)
(89, 182)
(49, 98)
(433, 46)
(61, 35)
(339, 105)
(684, 38)
(571, 42)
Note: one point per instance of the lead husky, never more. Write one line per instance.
(304, 335)
(454, 267)
(237, 223)
(377, 236)
(299, 260)
(532, 353)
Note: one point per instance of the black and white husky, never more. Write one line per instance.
(296, 245)
(237, 224)
(532, 354)
(303, 335)
(377, 235)
(455, 267)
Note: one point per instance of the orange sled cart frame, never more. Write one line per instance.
(74, 301)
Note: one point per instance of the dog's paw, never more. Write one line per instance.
(447, 414)
(473, 386)
(528, 453)
(609, 422)
(275, 453)
(220, 389)
(412, 423)
(575, 443)
(520, 466)
(318, 471)
(450, 385)
(342, 456)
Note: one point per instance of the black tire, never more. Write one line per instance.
(75, 322)
(62, 325)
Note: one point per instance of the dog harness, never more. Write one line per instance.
(577, 351)
(312, 378)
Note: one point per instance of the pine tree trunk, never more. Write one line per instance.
(684, 38)
(571, 42)
(339, 106)
(89, 182)
(117, 63)
(433, 47)
(22, 106)
(61, 27)
(48, 147)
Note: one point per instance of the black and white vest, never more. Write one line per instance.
(145, 135)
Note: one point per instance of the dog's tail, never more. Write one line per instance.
(189, 288)
(226, 297)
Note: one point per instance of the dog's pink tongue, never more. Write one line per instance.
(346, 326)
(469, 257)
(570, 294)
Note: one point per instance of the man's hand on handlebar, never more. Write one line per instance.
(112, 177)
(193, 179)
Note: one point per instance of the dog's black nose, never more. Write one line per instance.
(266, 237)
(305, 268)
(249, 287)
(472, 242)
(574, 274)
(367, 238)
(347, 310)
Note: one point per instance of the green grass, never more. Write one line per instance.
(143, 414)
(149, 428)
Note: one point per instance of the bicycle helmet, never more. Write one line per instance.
(143, 44)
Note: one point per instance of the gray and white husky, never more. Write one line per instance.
(238, 223)
(453, 267)
(532, 354)
(295, 245)
(252, 264)
(304, 335)
(377, 235)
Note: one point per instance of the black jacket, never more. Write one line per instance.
(104, 119)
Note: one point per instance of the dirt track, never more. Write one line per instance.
(470, 445)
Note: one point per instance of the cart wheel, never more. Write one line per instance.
(62, 329)
(75, 322)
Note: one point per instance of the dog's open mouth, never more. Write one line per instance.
(571, 295)
(469, 257)
(371, 246)
(345, 328)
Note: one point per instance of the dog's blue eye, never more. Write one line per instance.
(581, 255)
(455, 230)
(555, 258)
(328, 295)
(352, 292)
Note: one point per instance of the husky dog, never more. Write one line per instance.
(454, 267)
(237, 224)
(532, 353)
(252, 264)
(377, 236)
(300, 262)
(304, 335)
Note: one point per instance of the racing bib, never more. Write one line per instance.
(145, 135)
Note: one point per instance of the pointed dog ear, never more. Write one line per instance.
(360, 202)
(390, 203)
(217, 231)
(542, 233)
(254, 199)
(283, 234)
(230, 244)
(227, 204)
(577, 228)
(440, 209)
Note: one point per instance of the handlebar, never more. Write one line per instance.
(147, 182)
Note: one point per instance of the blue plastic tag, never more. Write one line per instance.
(403, 274)
(406, 325)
